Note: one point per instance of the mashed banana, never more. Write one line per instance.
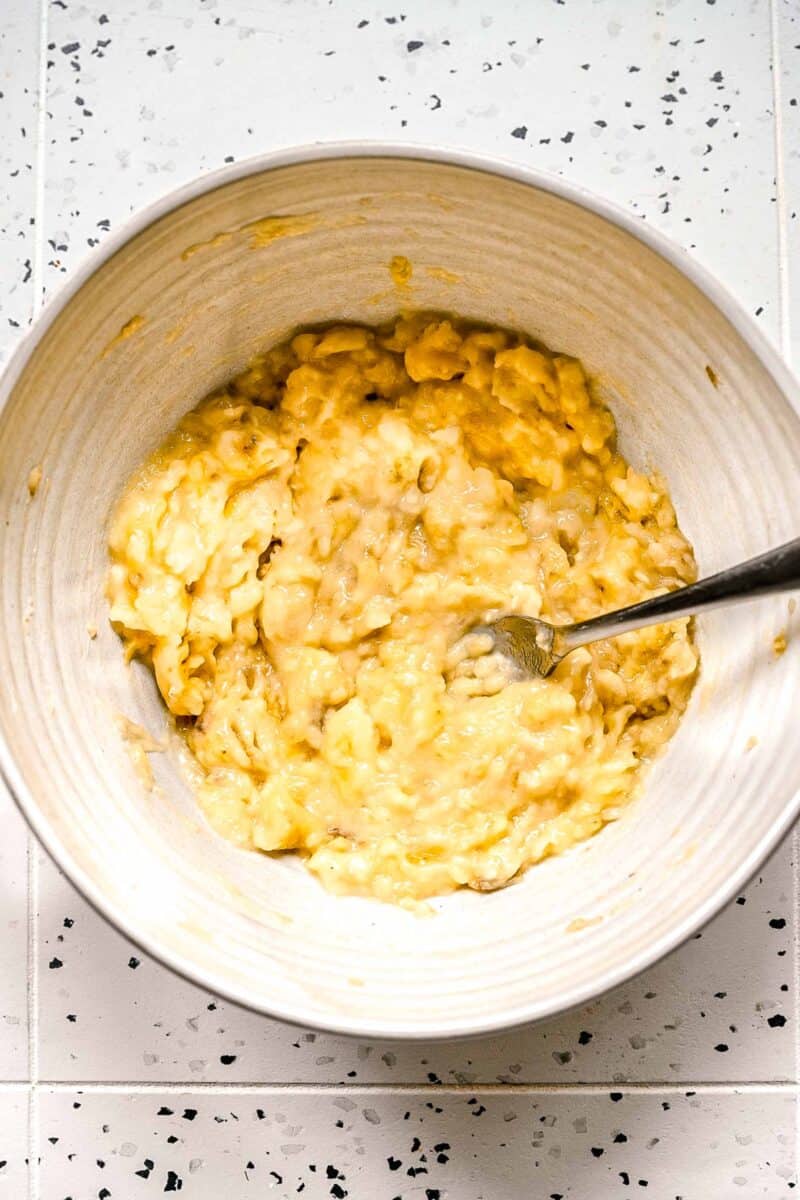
(300, 556)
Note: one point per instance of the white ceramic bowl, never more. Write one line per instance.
(696, 390)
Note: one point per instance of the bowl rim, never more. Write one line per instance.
(770, 358)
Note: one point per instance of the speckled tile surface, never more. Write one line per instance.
(683, 1082)
(481, 1146)
(659, 105)
(19, 160)
(13, 1142)
(13, 942)
(787, 28)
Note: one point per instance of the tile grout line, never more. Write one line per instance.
(34, 1133)
(33, 1019)
(601, 1088)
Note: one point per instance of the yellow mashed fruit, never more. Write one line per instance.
(298, 559)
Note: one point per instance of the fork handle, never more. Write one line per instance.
(776, 571)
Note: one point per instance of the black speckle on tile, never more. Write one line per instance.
(227, 1059)
(620, 1138)
(584, 1038)
(615, 1096)
(721, 1048)
(164, 1111)
(777, 922)
(412, 46)
(597, 1151)
(55, 963)
(394, 1163)
(776, 1021)
(568, 136)
(520, 132)
(189, 1114)
(134, 962)
(174, 1182)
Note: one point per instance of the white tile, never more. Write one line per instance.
(665, 108)
(453, 1146)
(13, 1143)
(13, 941)
(788, 31)
(110, 1014)
(19, 85)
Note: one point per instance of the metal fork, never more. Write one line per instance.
(536, 647)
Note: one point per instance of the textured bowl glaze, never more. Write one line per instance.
(177, 302)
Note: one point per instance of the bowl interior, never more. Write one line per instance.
(178, 309)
